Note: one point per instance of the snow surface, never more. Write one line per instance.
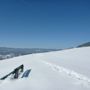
(58, 70)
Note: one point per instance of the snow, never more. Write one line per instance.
(58, 70)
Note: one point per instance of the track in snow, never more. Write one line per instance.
(83, 79)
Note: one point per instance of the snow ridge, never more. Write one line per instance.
(70, 73)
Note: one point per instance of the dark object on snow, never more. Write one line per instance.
(26, 73)
(6, 76)
(16, 72)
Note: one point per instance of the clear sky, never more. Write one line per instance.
(44, 23)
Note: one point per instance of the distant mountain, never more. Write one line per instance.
(85, 45)
(6, 52)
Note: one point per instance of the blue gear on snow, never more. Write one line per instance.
(26, 73)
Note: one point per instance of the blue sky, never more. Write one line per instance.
(44, 23)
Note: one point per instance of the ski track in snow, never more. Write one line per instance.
(83, 79)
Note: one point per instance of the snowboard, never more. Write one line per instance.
(26, 73)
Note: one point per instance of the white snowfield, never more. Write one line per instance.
(58, 70)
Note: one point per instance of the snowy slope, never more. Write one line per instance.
(61, 70)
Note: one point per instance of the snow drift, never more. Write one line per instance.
(58, 70)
